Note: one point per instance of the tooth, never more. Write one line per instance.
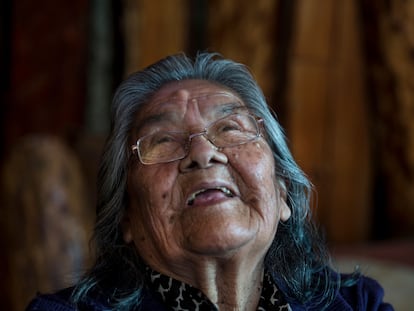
(191, 199)
(193, 196)
(226, 191)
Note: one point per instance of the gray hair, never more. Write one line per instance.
(297, 258)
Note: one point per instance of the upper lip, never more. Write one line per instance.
(200, 188)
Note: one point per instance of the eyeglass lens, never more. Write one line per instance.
(232, 130)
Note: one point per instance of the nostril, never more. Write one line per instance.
(192, 165)
(202, 154)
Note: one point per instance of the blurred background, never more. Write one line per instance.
(339, 74)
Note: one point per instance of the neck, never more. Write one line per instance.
(233, 288)
(229, 284)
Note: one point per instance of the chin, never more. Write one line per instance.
(221, 244)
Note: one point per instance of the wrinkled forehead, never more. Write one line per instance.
(175, 99)
(204, 102)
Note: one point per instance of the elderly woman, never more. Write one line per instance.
(201, 205)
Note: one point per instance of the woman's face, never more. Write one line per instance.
(213, 202)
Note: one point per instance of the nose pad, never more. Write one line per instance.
(202, 154)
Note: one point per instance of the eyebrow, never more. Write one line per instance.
(170, 116)
(232, 107)
(152, 120)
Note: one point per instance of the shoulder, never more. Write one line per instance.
(57, 301)
(364, 294)
(150, 303)
(61, 301)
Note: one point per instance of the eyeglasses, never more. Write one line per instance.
(163, 147)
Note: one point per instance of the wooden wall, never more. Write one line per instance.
(246, 34)
(43, 205)
(153, 30)
(389, 50)
(47, 57)
(328, 120)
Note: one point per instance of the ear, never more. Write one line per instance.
(284, 210)
(126, 229)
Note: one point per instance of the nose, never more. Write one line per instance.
(202, 154)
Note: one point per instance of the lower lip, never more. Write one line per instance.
(209, 197)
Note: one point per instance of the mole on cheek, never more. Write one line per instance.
(235, 155)
(164, 195)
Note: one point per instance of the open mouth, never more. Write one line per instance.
(227, 192)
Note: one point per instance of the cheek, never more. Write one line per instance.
(153, 182)
(254, 173)
(254, 164)
(150, 191)
(150, 196)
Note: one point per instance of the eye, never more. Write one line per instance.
(228, 125)
(163, 138)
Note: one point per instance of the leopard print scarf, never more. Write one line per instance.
(183, 297)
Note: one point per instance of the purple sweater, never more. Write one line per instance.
(365, 295)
